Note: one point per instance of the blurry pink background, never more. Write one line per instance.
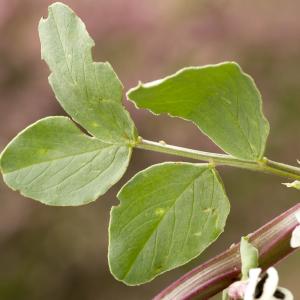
(61, 253)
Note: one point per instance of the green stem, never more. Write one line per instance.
(265, 165)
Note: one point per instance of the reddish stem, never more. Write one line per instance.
(273, 242)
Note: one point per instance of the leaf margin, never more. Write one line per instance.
(157, 82)
(211, 167)
(66, 118)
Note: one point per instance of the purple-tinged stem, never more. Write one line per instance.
(273, 243)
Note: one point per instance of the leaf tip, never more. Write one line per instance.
(295, 184)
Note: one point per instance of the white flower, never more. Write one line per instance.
(295, 240)
(252, 283)
(265, 287)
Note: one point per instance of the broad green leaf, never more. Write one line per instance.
(295, 184)
(168, 214)
(220, 99)
(54, 162)
(249, 257)
(90, 92)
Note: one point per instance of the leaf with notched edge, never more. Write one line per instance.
(89, 92)
(52, 161)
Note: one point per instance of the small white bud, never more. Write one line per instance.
(295, 240)
(265, 287)
(253, 280)
(237, 290)
(270, 285)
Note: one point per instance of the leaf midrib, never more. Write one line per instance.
(159, 222)
(59, 158)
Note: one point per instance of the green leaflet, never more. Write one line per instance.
(54, 162)
(220, 99)
(295, 184)
(168, 214)
(90, 92)
(249, 257)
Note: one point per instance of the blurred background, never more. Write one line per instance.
(61, 253)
